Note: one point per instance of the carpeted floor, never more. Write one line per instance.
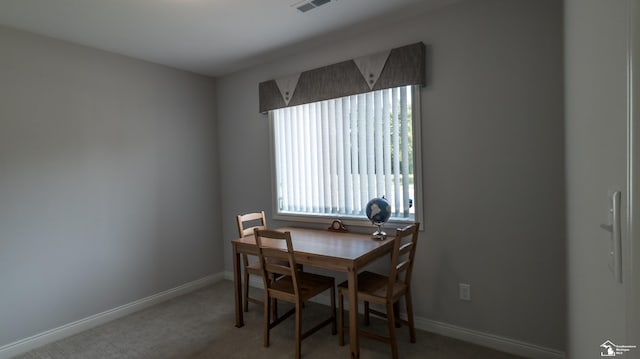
(200, 325)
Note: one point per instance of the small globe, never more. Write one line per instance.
(378, 210)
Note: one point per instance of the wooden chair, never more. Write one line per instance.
(290, 285)
(250, 268)
(387, 290)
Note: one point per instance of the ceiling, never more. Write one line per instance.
(211, 37)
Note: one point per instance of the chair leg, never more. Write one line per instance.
(392, 331)
(340, 318)
(366, 314)
(246, 290)
(396, 313)
(333, 310)
(412, 328)
(298, 336)
(267, 319)
(274, 305)
(274, 308)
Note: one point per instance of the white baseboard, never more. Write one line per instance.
(496, 342)
(38, 340)
(228, 275)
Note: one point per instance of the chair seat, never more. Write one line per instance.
(310, 285)
(373, 287)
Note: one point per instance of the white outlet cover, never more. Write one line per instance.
(465, 291)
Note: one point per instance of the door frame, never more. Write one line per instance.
(633, 172)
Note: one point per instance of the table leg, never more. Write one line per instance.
(353, 313)
(237, 282)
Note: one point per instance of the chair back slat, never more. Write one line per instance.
(405, 248)
(242, 219)
(275, 260)
(278, 269)
(402, 256)
(274, 248)
(403, 266)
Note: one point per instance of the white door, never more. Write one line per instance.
(601, 303)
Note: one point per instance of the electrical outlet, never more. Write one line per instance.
(465, 291)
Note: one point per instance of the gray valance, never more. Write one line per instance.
(397, 67)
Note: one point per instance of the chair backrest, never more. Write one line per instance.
(257, 217)
(402, 256)
(275, 251)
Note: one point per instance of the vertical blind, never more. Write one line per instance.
(333, 156)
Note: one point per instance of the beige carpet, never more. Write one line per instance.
(200, 325)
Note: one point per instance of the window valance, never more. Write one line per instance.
(393, 68)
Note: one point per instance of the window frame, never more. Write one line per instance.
(351, 220)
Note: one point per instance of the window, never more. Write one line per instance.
(331, 157)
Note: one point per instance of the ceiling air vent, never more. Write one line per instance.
(305, 6)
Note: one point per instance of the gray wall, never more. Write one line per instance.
(492, 132)
(108, 182)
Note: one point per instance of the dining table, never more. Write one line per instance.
(332, 250)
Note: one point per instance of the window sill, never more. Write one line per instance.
(350, 221)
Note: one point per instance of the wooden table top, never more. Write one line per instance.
(338, 248)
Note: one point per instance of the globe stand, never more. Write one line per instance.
(379, 234)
